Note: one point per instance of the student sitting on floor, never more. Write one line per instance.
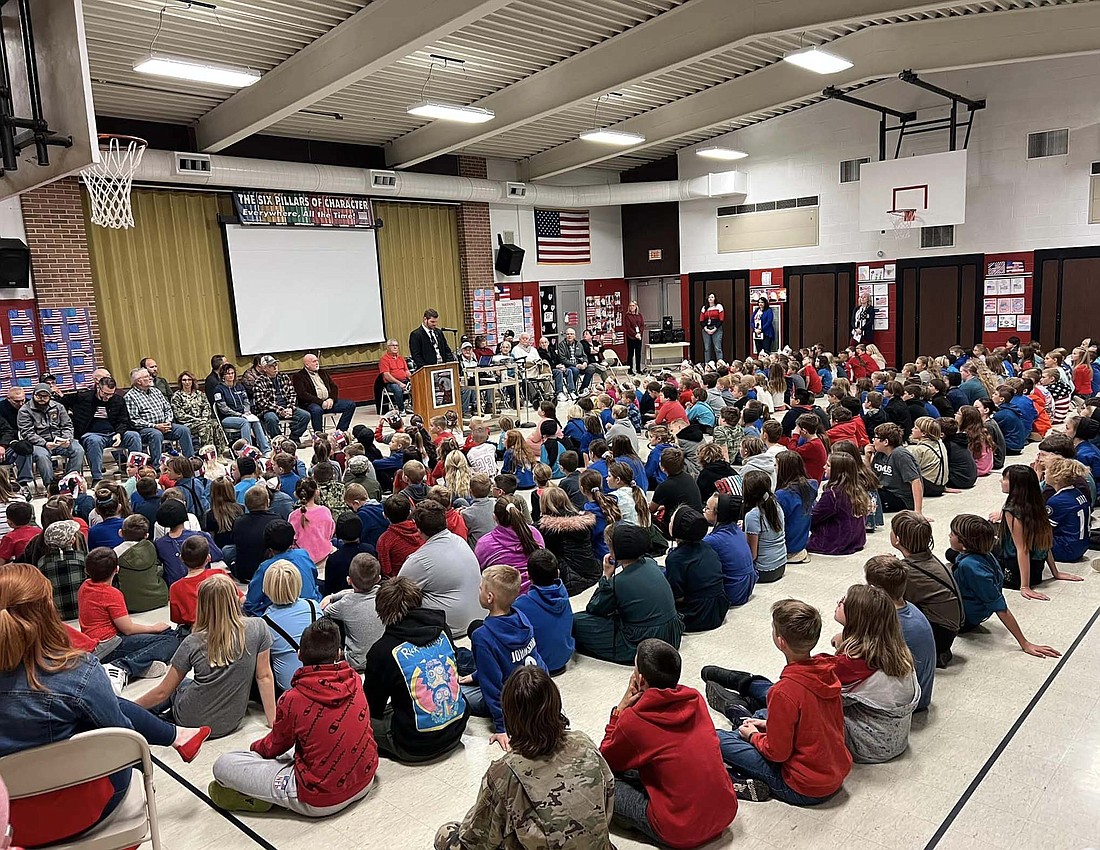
(981, 579)
(838, 521)
(324, 718)
(349, 530)
(671, 785)
(794, 742)
(1068, 508)
(694, 573)
(287, 617)
(279, 541)
(546, 606)
(889, 575)
(729, 541)
(764, 528)
(632, 602)
(354, 609)
(140, 573)
(962, 471)
(796, 495)
(183, 598)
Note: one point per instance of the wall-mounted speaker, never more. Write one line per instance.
(15, 264)
(509, 257)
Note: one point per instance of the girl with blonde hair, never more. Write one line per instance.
(519, 459)
(226, 651)
(456, 472)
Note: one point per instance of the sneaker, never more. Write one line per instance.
(155, 670)
(563, 396)
(727, 703)
(734, 680)
(119, 678)
(234, 801)
(753, 790)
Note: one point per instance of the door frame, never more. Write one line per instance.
(736, 335)
(1041, 257)
(824, 268)
(919, 263)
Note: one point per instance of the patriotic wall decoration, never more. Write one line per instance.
(563, 237)
(67, 340)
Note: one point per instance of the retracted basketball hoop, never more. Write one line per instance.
(110, 180)
(904, 222)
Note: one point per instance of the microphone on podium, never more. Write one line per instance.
(450, 330)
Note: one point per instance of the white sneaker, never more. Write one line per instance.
(119, 678)
(155, 670)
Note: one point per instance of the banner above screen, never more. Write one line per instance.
(303, 208)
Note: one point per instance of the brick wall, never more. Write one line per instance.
(475, 238)
(54, 220)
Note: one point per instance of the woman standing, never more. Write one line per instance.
(191, 408)
(711, 319)
(235, 411)
(633, 328)
(863, 321)
(763, 326)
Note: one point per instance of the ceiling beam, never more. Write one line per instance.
(371, 39)
(686, 34)
(943, 44)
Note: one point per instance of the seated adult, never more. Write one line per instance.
(51, 691)
(394, 370)
(274, 400)
(248, 532)
(558, 370)
(415, 643)
(45, 424)
(193, 410)
(318, 394)
(150, 365)
(214, 378)
(571, 355)
(233, 407)
(100, 421)
(151, 414)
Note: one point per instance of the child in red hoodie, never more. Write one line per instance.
(401, 538)
(324, 716)
(677, 792)
(796, 744)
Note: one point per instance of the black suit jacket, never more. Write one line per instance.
(423, 352)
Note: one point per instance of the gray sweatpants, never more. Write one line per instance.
(271, 780)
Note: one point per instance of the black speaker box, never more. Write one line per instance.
(666, 323)
(15, 264)
(675, 335)
(509, 259)
(656, 337)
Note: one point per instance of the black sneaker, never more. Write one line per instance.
(754, 790)
(727, 703)
(735, 680)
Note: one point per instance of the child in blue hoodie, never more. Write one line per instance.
(546, 606)
(502, 643)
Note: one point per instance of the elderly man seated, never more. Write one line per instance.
(274, 400)
(100, 421)
(45, 424)
(394, 370)
(151, 414)
(150, 365)
(318, 394)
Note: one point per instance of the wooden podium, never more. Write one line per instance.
(437, 389)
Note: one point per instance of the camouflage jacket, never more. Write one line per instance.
(561, 803)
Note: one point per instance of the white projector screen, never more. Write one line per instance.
(304, 288)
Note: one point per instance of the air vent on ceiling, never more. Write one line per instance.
(939, 236)
(849, 169)
(1047, 143)
(192, 163)
(517, 190)
(383, 181)
(770, 206)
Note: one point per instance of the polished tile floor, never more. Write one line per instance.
(986, 768)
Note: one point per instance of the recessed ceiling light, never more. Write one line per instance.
(818, 61)
(612, 137)
(450, 112)
(719, 152)
(198, 72)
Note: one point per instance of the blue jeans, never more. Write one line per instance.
(712, 346)
(397, 390)
(94, 444)
(632, 806)
(154, 730)
(137, 652)
(344, 407)
(229, 554)
(299, 421)
(154, 439)
(572, 375)
(43, 459)
(475, 699)
(251, 432)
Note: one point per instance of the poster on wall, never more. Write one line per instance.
(549, 307)
(484, 315)
(990, 324)
(303, 208)
(604, 317)
(516, 315)
(67, 344)
(1023, 323)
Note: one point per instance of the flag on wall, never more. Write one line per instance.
(563, 237)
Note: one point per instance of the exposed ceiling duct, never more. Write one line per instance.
(230, 172)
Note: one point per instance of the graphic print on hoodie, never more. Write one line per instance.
(501, 645)
(432, 676)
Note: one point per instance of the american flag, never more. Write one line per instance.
(563, 237)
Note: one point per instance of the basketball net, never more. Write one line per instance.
(904, 222)
(109, 181)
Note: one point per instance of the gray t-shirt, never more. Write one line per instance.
(356, 612)
(895, 472)
(479, 519)
(771, 546)
(218, 696)
(449, 577)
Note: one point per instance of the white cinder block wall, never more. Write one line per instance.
(1012, 204)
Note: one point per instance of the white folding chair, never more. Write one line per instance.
(82, 758)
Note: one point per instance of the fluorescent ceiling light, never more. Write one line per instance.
(612, 137)
(719, 152)
(450, 112)
(199, 72)
(818, 61)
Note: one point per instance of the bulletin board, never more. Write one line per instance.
(67, 345)
(604, 317)
(485, 314)
(1006, 297)
(877, 278)
(20, 349)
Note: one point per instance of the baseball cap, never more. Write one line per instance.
(41, 388)
(268, 360)
(358, 464)
(466, 345)
(393, 416)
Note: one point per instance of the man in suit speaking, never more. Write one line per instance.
(427, 345)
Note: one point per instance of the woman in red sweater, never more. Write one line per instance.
(633, 328)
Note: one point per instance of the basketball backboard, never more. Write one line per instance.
(934, 186)
(65, 91)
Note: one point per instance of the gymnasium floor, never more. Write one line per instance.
(1007, 758)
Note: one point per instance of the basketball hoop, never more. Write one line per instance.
(109, 181)
(904, 222)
